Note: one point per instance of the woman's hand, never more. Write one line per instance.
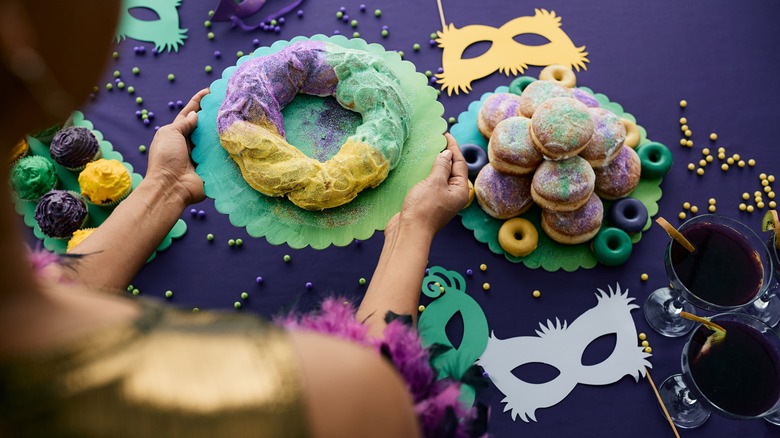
(434, 201)
(169, 154)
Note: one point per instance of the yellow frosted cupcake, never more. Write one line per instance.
(105, 182)
(78, 237)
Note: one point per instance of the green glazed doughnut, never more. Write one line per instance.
(518, 85)
(656, 160)
(612, 246)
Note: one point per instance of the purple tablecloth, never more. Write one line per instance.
(718, 55)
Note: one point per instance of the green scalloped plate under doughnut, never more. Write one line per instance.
(549, 255)
(68, 180)
(318, 127)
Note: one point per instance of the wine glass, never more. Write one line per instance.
(737, 375)
(729, 269)
(767, 306)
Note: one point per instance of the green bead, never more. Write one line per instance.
(356, 35)
(130, 288)
(362, 281)
(120, 85)
(378, 13)
(136, 70)
(286, 258)
(385, 33)
(209, 237)
(142, 149)
(208, 69)
(211, 13)
(416, 47)
(244, 295)
(339, 14)
(136, 291)
(109, 86)
(401, 53)
(95, 89)
(237, 305)
(239, 242)
(207, 23)
(452, 120)
(428, 73)
(353, 23)
(144, 111)
(434, 36)
(115, 55)
(195, 310)
(240, 53)
(210, 35)
(117, 74)
(131, 89)
(231, 242)
(144, 116)
(274, 22)
(139, 100)
(171, 77)
(168, 294)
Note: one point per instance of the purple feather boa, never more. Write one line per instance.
(435, 400)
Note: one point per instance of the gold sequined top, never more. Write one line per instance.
(169, 373)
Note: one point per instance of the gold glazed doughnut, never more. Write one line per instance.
(632, 133)
(518, 246)
(560, 74)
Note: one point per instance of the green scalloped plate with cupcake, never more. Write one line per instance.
(68, 180)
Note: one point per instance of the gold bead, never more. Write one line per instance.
(691, 166)
(683, 120)
(702, 162)
(730, 160)
(483, 267)
(642, 336)
(713, 136)
(709, 158)
(683, 142)
(762, 176)
(705, 151)
(537, 294)
(746, 196)
(760, 205)
(700, 171)
(751, 162)
(750, 209)
(724, 167)
(686, 205)
(772, 204)
(644, 277)
(688, 133)
(741, 163)
(694, 209)
(711, 208)
(682, 215)
(742, 207)
(689, 143)
(684, 128)
(421, 308)
(486, 286)
(648, 350)
(712, 201)
(683, 103)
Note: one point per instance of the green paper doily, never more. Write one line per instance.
(549, 254)
(279, 220)
(68, 180)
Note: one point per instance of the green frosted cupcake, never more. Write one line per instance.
(32, 177)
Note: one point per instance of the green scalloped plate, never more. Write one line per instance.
(549, 255)
(279, 220)
(68, 180)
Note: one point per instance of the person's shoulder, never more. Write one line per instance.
(350, 391)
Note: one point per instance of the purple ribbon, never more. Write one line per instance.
(229, 10)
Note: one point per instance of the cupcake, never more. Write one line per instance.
(78, 237)
(32, 177)
(105, 182)
(59, 213)
(21, 150)
(74, 147)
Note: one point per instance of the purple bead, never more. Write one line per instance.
(309, 285)
(259, 280)
(300, 13)
(266, 27)
(147, 122)
(150, 114)
(427, 271)
(217, 54)
(255, 42)
(357, 242)
(336, 32)
(138, 113)
(485, 374)
(345, 18)
(277, 29)
(385, 27)
(92, 96)
(155, 52)
(433, 80)
(156, 128)
(362, 8)
(193, 212)
(117, 80)
(136, 50)
(343, 9)
(469, 272)
(432, 43)
(201, 214)
(142, 49)
(171, 104)
(439, 70)
(280, 20)
(180, 104)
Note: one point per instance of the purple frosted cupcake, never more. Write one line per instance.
(74, 147)
(59, 213)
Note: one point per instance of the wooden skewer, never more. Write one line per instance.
(661, 402)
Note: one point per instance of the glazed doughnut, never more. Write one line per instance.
(612, 247)
(476, 158)
(656, 160)
(620, 177)
(251, 126)
(518, 85)
(563, 185)
(561, 128)
(632, 133)
(511, 149)
(608, 137)
(497, 107)
(628, 214)
(573, 227)
(539, 92)
(502, 196)
(518, 237)
(560, 74)
(586, 98)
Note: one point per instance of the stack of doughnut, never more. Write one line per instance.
(553, 146)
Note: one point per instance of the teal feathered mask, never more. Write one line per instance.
(164, 31)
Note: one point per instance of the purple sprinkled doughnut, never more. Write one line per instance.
(502, 196)
(497, 107)
(511, 149)
(620, 177)
(563, 185)
(608, 137)
(586, 98)
(538, 92)
(573, 227)
(561, 127)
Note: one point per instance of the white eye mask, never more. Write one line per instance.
(562, 347)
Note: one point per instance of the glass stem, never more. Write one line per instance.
(675, 306)
(687, 399)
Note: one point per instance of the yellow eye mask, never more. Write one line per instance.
(505, 55)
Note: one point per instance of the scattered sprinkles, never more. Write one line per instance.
(486, 286)
(142, 149)
(483, 267)
(421, 308)
(286, 258)
(168, 294)
(644, 277)
(244, 296)
(537, 293)
(362, 281)
(683, 103)
(209, 237)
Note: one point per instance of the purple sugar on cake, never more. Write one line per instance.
(609, 133)
(574, 226)
(59, 213)
(511, 149)
(539, 92)
(558, 185)
(74, 147)
(501, 195)
(621, 176)
(586, 98)
(561, 127)
(497, 107)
